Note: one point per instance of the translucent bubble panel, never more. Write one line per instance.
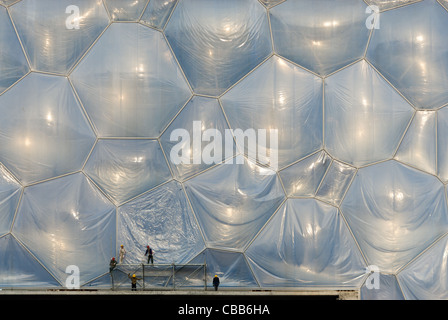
(130, 84)
(124, 10)
(127, 168)
(67, 221)
(10, 191)
(319, 35)
(196, 139)
(157, 12)
(232, 212)
(388, 4)
(218, 42)
(389, 289)
(410, 50)
(20, 269)
(279, 95)
(13, 64)
(56, 34)
(163, 220)
(365, 118)
(43, 135)
(395, 212)
(305, 244)
(442, 143)
(419, 282)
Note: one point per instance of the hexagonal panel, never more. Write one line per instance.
(67, 221)
(395, 212)
(279, 95)
(163, 220)
(129, 83)
(43, 131)
(10, 191)
(187, 139)
(232, 211)
(13, 64)
(218, 42)
(365, 118)
(127, 168)
(306, 244)
(319, 35)
(387, 4)
(56, 34)
(410, 50)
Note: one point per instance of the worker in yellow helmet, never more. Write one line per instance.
(134, 279)
(216, 282)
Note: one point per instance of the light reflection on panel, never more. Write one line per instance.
(43, 135)
(218, 42)
(365, 117)
(157, 12)
(127, 168)
(395, 212)
(125, 10)
(306, 244)
(319, 35)
(56, 34)
(129, 83)
(9, 198)
(410, 50)
(67, 221)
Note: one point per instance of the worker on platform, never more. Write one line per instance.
(216, 282)
(112, 264)
(149, 253)
(122, 253)
(133, 281)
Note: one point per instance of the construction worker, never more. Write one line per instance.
(122, 253)
(216, 282)
(133, 281)
(112, 264)
(149, 253)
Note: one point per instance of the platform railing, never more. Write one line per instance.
(160, 276)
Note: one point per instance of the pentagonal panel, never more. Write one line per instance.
(129, 83)
(13, 64)
(395, 212)
(306, 243)
(157, 12)
(410, 50)
(279, 95)
(43, 131)
(9, 198)
(196, 139)
(56, 34)
(319, 35)
(303, 178)
(163, 220)
(18, 268)
(127, 168)
(418, 283)
(124, 10)
(418, 147)
(365, 118)
(67, 221)
(232, 211)
(218, 42)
